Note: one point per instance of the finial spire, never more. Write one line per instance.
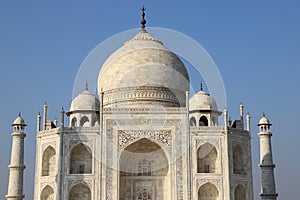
(86, 86)
(264, 115)
(19, 114)
(143, 21)
(201, 86)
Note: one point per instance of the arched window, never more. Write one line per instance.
(238, 161)
(193, 121)
(47, 193)
(208, 192)
(95, 122)
(49, 162)
(74, 122)
(84, 121)
(213, 121)
(203, 121)
(80, 160)
(80, 192)
(207, 159)
(240, 193)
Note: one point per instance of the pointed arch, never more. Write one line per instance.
(84, 121)
(47, 193)
(74, 122)
(80, 192)
(95, 122)
(240, 193)
(143, 161)
(49, 161)
(193, 121)
(238, 160)
(213, 121)
(80, 160)
(208, 191)
(203, 121)
(207, 159)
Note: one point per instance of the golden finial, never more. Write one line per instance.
(201, 86)
(86, 86)
(143, 21)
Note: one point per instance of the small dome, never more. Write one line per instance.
(203, 101)
(85, 101)
(19, 121)
(264, 121)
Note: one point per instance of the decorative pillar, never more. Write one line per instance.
(242, 115)
(39, 122)
(248, 118)
(45, 117)
(226, 117)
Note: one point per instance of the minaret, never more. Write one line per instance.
(268, 189)
(16, 167)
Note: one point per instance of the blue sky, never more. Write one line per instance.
(255, 45)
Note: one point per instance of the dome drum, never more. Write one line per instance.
(131, 96)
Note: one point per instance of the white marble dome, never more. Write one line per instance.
(146, 66)
(264, 121)
(19, 121)
(85, 101)
(202, 101)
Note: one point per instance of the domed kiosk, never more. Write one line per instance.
(84, 110)
(203, 109)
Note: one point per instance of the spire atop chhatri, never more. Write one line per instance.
(201, 86)
(86, 86)
(143, 21)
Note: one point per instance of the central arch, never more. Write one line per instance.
(144, 172)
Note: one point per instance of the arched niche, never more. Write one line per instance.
(207, 159)
(80, 160)
(238, 160)
(80, 192)
(208, 192)
(47, 193)
(49, 162)
(240, 193)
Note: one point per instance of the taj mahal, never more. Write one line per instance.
(143, 138)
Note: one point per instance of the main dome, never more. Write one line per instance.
(143, 71)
